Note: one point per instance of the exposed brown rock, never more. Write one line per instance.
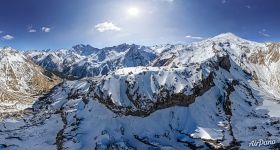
(22, 82)
(258, 57)
(273, 52)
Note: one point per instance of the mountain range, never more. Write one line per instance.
(86, 61)
(219, 93)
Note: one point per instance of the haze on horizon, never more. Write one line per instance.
(34, 24)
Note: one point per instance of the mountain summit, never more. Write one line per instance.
(227, 35)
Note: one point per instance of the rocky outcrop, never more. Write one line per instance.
(165, 100)
(224, 62)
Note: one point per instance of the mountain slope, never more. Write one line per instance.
(207, 95)
(21, 81)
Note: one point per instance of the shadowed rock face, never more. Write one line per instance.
(224, 62)
(164, 100)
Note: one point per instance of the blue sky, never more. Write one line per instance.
(42, 24)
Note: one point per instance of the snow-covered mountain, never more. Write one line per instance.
(86, 61)
(21, 81)
(220, 93)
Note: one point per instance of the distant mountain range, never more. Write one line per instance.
(220, 93)
(86, 61)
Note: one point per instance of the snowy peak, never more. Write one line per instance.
(7, 50)
(227, 35)
(85, 50)
(86, 61)
(231, 38)
(121, 48)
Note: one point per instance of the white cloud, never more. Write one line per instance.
(107, 26)
(194, 37)
(7, 37)
(32, 30)
(46, 29)
(264, 33)
(1, 31)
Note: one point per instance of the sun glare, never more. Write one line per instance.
(133, 11)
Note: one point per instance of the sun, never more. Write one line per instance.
(133, 11)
